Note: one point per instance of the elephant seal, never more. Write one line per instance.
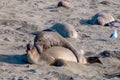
(47, 39)
(52, 56)
(64, 4)
(102, 19)
(66, 30)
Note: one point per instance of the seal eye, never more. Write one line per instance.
(40, 40)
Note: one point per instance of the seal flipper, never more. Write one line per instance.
(113, 23)
(93, 59)
(58, 63)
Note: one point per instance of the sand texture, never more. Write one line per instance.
(21, 19)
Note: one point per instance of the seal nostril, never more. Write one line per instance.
(28, 46)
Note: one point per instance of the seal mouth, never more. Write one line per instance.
(29, 47)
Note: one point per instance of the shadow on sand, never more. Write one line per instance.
(86, 22)
(14, 59)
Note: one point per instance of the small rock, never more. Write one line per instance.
(26, 77)
(105, 2)
(64, 4)
(31, 70)
(20, 78)
(14, 78)
(6, 39)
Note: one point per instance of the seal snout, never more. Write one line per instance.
(29, 47)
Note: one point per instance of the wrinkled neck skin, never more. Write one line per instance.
(39, 47)
(35, 58)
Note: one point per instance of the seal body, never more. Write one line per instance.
(102, 18)
(65, 29)
(47, 39)
(60, 53)
(50, 56)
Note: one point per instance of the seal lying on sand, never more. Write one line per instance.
(65, 29)
(56, 56)
(102, 19)
(64, 4)
(48, 39)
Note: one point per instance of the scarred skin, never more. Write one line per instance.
(48, 39)
(50, 56)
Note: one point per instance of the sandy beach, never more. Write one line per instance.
(21, 19)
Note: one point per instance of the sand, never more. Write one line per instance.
(21, 19)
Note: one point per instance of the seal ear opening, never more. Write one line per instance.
(58, 63)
